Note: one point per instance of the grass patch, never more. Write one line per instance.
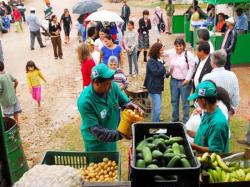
(238, 128)
(68, 138)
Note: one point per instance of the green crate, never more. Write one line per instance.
(80, 159)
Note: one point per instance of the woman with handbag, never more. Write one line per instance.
(159, 23)
(143, 39)
(182, 66)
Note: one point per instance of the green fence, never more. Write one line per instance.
(178, 24)
(241, 55)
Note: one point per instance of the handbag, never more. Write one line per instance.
(162, 25)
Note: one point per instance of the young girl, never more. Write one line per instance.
(33, 78)
(87, 63)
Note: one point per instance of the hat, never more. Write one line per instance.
(230, 20)
(204, 89)
(101, 71)
(32, 9)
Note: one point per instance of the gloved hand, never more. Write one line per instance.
(128, 137)
(133, 106)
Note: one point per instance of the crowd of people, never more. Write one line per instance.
(197, 77)
(12, 12)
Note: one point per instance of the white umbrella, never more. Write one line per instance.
(104, 15)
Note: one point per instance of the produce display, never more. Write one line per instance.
(106, 171)
(161, 151)
(214, 169)
(128, 117)
(48, 176)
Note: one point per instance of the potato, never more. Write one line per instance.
(105, 160)
(109, 163)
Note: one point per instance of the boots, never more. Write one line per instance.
(138, 54)
(145, 53)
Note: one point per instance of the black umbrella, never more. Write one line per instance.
(86, 6)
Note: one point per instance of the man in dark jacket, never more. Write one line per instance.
(204, 66)
(229, 41)
(125, 15)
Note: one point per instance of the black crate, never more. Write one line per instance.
(184, 177)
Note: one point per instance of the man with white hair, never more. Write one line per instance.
(224, 78)
(229, 41)
(34, 27)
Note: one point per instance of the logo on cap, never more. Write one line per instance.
(95, 74)
(202, 92)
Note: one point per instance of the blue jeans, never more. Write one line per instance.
(178, 90)
(156, 107)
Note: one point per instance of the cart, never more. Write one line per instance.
(140, 97)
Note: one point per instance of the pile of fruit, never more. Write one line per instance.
(161, 151)
(214, 169)
(106, 171)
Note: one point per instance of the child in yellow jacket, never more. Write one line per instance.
(34, 76)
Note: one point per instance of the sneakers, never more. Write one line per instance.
(243, 142)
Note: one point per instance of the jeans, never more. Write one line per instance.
(156, 106)
(132, 59)
(33, 35)
(178, 90)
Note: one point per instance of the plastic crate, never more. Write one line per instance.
(80, 159)
(184, 177)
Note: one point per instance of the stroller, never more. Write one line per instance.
(45, 29)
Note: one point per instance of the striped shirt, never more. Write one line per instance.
(227, 80)
(120, 79)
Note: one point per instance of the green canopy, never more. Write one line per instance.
(225, 1)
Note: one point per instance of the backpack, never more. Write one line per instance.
(162, 25)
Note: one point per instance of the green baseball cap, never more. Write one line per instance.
(101, 71)
(204, 89)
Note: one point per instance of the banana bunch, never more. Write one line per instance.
(214, 169)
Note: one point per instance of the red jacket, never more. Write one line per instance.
(16, 15)
(86, 69)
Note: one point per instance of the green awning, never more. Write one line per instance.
(225, 1)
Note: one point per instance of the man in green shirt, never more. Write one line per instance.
(99, 105)
(8, 99)
(170, 12)
(213, 133)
